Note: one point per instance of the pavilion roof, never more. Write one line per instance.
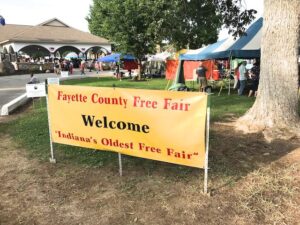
(51, 31)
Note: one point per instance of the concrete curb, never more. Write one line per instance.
(21, 100)
(12, 105)
(72, 77)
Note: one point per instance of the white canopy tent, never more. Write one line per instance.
(159, 57)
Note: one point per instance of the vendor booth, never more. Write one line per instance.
(172, 64)
(116, 57)
(128, 60)
(155, 65)
(247, 46)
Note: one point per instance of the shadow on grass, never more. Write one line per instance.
(232, 155)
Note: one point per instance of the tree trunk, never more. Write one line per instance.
(276, 105)
(139, 70)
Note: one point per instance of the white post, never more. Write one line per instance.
(52, 159)
(206, 146)
(120, 164)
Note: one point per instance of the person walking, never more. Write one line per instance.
(242, 78)
(236, 84)
(201, 73)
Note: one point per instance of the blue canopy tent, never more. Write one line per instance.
(193, 55)
(110, 58)
(247, 46)
(201, 53)
(116, 57)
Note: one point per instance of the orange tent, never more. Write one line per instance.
(189, 68)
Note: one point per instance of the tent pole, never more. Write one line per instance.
(120, 164)
(167, 85)
(230, 58)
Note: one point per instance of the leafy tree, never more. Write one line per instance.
(136, 26)
(126, 23)
(233, 17)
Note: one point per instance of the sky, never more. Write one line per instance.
(71, 12)
(33, 12)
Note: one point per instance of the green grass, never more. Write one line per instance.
(155, 84)
(263, 196)
(31, 130)
(225, 106)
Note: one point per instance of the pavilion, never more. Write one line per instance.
(52, 38)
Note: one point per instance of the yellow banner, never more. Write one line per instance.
(159, 125)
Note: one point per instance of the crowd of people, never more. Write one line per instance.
(63, 65)
(242, 76)
(68, 65)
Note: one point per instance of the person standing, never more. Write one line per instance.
(82, 67)
(100, 66)
(33, 79)
(242, 78)
(201, 73)
(97, 67)
(56, 68)
(236, 84)
(71, 66)
(118, 74)
(254, 76)
(90, 65)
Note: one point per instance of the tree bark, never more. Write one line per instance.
(276, 105)
(139, 70)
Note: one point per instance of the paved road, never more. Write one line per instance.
(12, 87)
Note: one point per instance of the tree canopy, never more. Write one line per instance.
(137, 26)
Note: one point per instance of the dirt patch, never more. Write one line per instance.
(250, 182)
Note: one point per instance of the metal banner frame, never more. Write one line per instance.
(52, 159)
(205, 190)
(206, 145)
